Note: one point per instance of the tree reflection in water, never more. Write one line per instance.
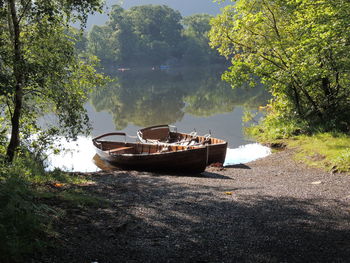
(149, 97)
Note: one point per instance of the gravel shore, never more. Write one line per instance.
(271, 210)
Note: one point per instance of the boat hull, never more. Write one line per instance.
(217, 153)
(183, 160)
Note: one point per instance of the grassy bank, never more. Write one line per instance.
(313, 146)
(31, 203)
(325, 150)
(329, 151)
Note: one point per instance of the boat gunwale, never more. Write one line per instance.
(194, 148)
(144, 140)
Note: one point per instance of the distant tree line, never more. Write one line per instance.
(152, 35)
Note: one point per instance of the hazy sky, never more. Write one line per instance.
(186, 7)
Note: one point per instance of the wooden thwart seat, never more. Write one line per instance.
(120, 149)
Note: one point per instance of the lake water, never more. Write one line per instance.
(187, 98)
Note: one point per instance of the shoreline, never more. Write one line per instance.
(270, 210)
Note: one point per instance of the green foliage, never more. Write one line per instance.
(276, 123)
(41, 71)
(273, 129)
(146, 35)
(40, 68)
(152, 35)
(158, 31)
(99, 44)
(196, 49)
(297, 48)
(59, 176)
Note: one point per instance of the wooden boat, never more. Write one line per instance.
(162, 134)
(151, 157)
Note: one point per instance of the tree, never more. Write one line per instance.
(158, 31)
(196, 41)
(152, 35)
(298, 49)
(114, 42)
(40, 69)
(100, 45)
(142, 35)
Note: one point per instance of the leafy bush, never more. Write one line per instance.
(278, 123)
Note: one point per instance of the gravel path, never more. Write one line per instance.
(269, 210)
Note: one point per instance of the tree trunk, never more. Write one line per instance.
(19, 76)
(297, 101)
(326, 90)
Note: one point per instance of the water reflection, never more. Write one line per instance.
(145, 97)
(141, 98)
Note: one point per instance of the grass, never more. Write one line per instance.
(59, 176)
(325, 150)
(75, 197)
(329, 151)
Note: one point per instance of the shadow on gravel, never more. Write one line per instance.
(154, 219)
(238, 166)
(214, 176)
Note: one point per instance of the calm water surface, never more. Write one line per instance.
(187, 98)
